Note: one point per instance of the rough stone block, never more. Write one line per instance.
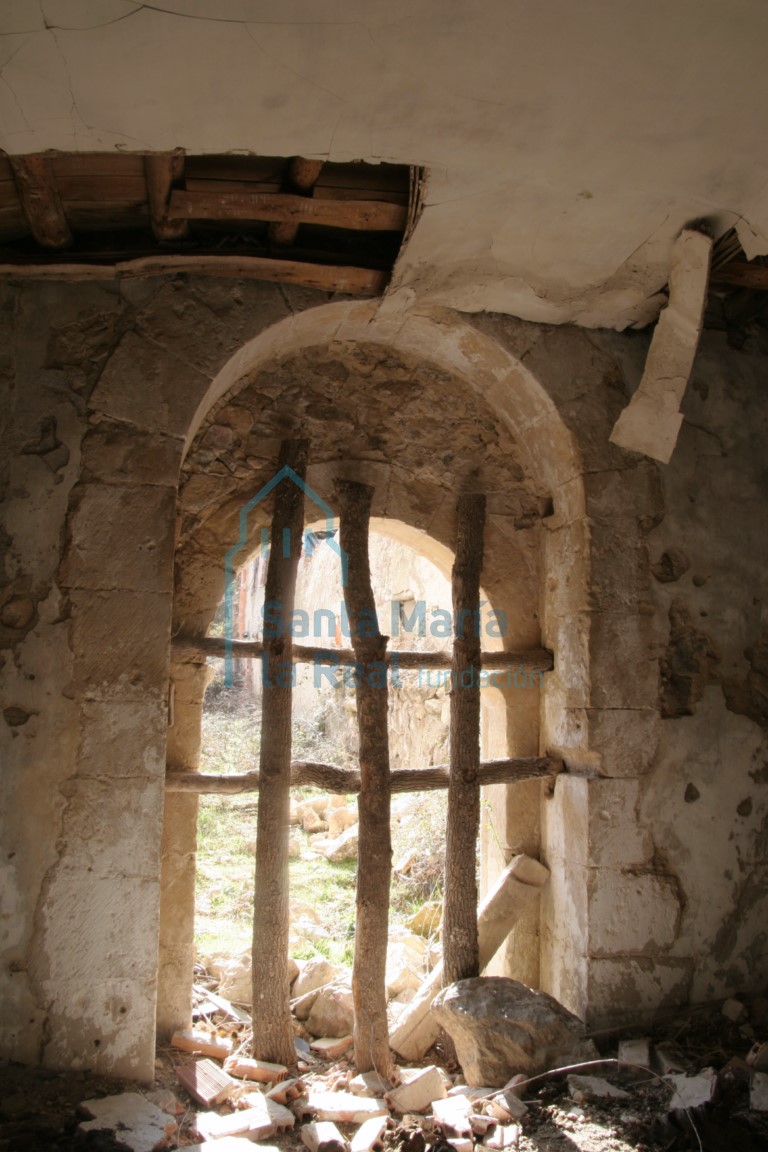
(624, 663)
(616, 838)
(454, 1113)
(635, 1052)
(632, 912)
(627, 739)
(255, 1123)
(116, 452)
(121, 644)
(121, 538)
(367, 1084)
(331, 1048)
(619, 575)
(332, 1012)
(132, 1121)
(322, 1137)
(507, 1106)
(181, 323)
(202, 1043)
(261, 1071)
(109, 729)
(146, 385)
(419, 1092)
(623, 987)
(501, 1027)
(505, 1136)
(111, 828)
(584, 1089)
(692, 1091)
(344, 1107)
(566, 564)
(370, 1135)
(565, 831)
(229, 1144)
(758, 1092)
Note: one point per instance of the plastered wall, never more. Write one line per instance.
(655, 836)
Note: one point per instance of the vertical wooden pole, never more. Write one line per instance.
(460, 947)
(272, 1029)
(374, 845)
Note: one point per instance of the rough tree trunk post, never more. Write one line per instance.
(272, 1029)
(460, 947)
(371, 1034)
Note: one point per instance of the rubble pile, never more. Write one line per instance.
(700, 1082)
(644, 1095)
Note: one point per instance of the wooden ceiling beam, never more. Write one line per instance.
(740, 274)
(284, 208)
(328, 278)
(41, 201)
(161, 170)
(301, 177)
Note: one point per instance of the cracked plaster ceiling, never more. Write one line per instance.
(567, 145)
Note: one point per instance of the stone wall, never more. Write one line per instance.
(646, 582)
(658, 844)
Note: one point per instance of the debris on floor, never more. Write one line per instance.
(141, 1125)
(694, 1081)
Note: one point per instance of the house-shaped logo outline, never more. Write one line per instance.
(285, 473)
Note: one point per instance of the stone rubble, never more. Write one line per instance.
(252, 1100)
(498, 1024)
(136, 1123)
(587, 1089)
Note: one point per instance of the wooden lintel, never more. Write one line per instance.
(327, 277)
(161, 169)
(330, 778)
(283, 207)
(739, 274)
(529, 660)
(41, 201)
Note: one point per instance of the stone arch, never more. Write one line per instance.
(147, 364)
(535, 465)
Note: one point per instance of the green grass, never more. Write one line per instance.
(227, 836)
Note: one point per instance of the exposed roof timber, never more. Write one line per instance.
(336, 226)
(739, 274)
(301, 176)
(160, 172)
(281, 207)
(330, 278)
(41, 201)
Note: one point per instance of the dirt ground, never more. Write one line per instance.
(39, 1107)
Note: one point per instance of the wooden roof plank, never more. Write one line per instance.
(101, 189)
(95, 164)
(362, 215)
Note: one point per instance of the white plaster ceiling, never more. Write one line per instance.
(567, 143)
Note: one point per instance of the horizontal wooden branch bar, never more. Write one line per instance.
(531, 660)
(285, 207)
(331, 778)
(332, 278)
